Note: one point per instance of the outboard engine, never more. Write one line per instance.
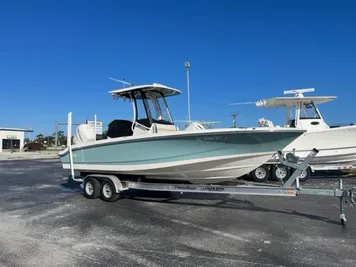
(84, 133)
(262, 122)
(194, 126)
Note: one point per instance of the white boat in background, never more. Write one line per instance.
(336, 145)
(151, 146)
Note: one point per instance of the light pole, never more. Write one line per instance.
(234, 119)
(187, 66)
(56, 134)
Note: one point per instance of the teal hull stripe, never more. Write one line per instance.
(181, 148)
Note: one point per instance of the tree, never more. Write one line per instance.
(39, 138)
(49, 140)
(62, 139)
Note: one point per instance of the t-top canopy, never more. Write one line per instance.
(278, 102)
(155, 87)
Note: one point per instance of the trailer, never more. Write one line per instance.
(110, 188)
(274, 170)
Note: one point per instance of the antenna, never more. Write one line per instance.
(299, 92)
(242, 103)
(121, 81)
(187, 67)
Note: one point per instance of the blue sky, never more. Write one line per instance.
(55, 57)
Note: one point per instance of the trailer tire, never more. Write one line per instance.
(261, 173)
(280, 172)
(305, 175)
(91, 188)
(108, 191)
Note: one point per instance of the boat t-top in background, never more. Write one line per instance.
(336, 145)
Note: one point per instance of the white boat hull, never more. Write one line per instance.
(208, 170)
(337, 146)
(210, 155)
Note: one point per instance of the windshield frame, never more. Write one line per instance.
(306, 109)
(155, 107)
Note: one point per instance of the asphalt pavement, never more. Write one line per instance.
(43, 225)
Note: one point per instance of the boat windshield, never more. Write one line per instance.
(309, 111)
(291, 117)
(158, 108)
(152, 105)
(141, 110)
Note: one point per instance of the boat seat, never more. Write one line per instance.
(159, 128)
(194, 126)
(119, 128)
(146, 122)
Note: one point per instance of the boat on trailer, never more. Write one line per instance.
(110, 187)
(336, 144)
(154, 137)
(151, 146)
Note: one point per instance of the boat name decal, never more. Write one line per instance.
(213, 188)
(214, 138)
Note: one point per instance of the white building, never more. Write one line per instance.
(12, 139)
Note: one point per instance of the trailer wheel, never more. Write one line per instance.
(261, 173)
(108, 191)
(305, 175)
(91, 188)
(280, 172)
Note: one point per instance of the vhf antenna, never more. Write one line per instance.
(121, 81)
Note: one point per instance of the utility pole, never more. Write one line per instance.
(234, 114)
(56, 135)
(187, 67)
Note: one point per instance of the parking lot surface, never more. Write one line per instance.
(43, 225)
